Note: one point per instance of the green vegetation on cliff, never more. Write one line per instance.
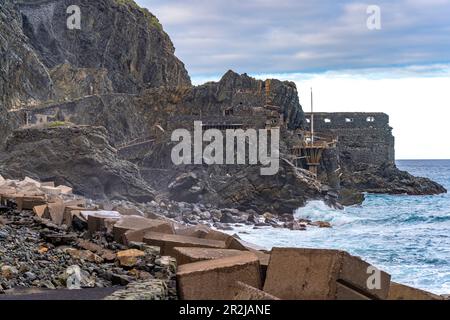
(152, 19)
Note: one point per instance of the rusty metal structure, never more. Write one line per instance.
(312, 145)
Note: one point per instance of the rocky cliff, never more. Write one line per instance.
(119, 72)
(119, 48)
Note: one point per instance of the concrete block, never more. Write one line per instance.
(346, 293)
(138, 235)
(51, 190)
(214, 279)
(168, 242)
(399, 291)
(185, 255)
(76, 203)
(217, 235)
(40, 211)
(68, 213)
(140, 226)
(56, 212)
(244, 292)
(6, 191)
(29, 180)
(129, 211)
(239, 244)
(96, 219)
(65, 189)
(315, 274)
(48, 184)
(196, 231)
(29, 202)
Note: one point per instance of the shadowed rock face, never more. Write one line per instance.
(120, 48)
(231, 186)
(80, 157)
(23, 77)
(115, 35)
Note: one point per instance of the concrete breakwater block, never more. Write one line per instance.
(190, 255)
(399, 291)
(167, 242)
(215, 279)
(244, 292)
(29, 202)
(139, 224)
(69, 212)
(196, 231)
(98, 220)
(315, 274)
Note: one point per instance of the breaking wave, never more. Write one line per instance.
(408, 236)
(319, 211)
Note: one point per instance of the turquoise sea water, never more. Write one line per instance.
(408, 236)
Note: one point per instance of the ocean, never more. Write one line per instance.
(407, 236)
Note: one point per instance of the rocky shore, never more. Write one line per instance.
(38, 254)
(52, 240)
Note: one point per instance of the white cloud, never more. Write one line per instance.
(275, 36)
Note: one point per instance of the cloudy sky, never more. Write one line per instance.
(402, 69)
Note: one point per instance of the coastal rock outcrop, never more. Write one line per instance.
(388, 179)
(245, 188)
(76, 156)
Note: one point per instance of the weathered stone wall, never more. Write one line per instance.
(364, 138)
(365, 158)
(348, 120)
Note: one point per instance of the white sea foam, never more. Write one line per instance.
(409, 237)
(319, 211)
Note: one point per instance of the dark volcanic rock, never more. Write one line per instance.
(390, 180)
(231, 186)
(23, 77)
(80, 157)
(120, 48)
(117, 36)
(32, 263)
(235, 90)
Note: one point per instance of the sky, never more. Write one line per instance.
(401, 68)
